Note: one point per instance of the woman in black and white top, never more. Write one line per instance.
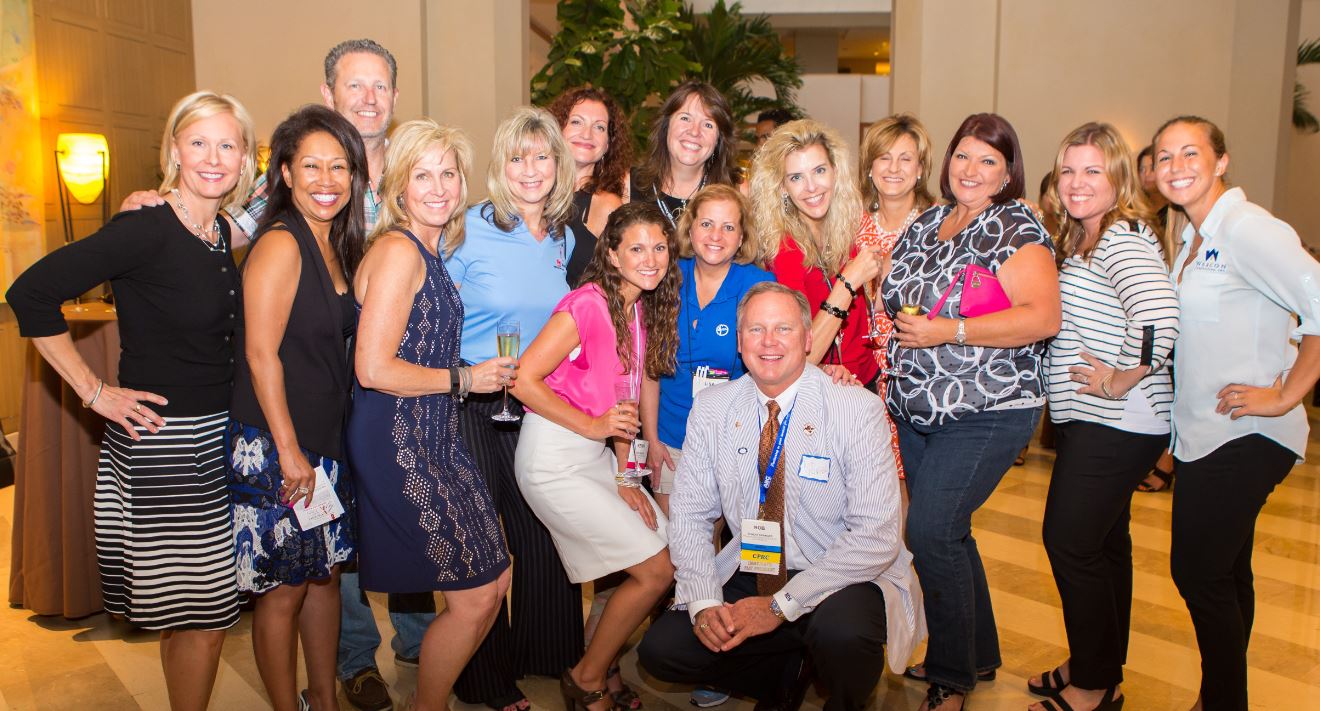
(966, 391)
(163, 526)
(1109, 397)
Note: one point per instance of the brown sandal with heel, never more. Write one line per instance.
(575, 697)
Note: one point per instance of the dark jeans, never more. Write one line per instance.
(1215, 506)
(845, 636)
(951, 470)
(1086, 536)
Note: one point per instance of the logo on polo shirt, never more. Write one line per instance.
(722, 330)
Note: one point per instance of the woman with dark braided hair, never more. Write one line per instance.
(580, 381)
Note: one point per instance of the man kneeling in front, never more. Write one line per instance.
(802, 472)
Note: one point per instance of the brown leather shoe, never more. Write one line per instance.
(368, 691)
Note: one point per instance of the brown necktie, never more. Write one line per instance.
(773, 508)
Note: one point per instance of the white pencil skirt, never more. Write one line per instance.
(568, 480)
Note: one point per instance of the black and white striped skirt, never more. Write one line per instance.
(164, 532)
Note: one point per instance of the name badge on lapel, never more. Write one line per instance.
(814, 467)
(761, 552)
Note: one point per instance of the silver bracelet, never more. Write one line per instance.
(100, 385)
(625, 481)
(1104, 386)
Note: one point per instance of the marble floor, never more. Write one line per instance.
(52, 663)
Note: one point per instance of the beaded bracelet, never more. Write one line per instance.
(843, 280)
(834, 311)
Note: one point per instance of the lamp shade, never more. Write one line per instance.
(84, 164)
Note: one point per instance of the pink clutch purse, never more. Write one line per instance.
(981, 294)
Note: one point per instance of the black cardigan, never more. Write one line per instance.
(178, 304)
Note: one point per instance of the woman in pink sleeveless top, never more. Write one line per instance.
(579, 381)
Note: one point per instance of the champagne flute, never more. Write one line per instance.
(507, 336)
(626, 394)
(911, 305)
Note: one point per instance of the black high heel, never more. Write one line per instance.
(575, 697)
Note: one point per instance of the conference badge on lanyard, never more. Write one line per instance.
(762, 541)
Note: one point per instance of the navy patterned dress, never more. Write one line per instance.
(425, 517)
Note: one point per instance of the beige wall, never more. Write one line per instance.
(1050, 66)
(1301, 208)
(274, 62)
(467, 73)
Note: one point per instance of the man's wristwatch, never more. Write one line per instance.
(774, 608)
(961, 336)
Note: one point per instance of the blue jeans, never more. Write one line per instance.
(358, 636)
(951, 470)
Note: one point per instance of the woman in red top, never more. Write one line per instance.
(807, 210)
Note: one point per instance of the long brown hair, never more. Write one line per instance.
(659, 306)
(720, 167)
(1121, 172)
(612, 170)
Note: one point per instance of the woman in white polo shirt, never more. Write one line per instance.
(1244, 284)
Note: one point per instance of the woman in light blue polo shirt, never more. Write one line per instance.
(1244, 283)
(718, 267)
(512, 264)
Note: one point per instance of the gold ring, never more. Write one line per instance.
(705, 626)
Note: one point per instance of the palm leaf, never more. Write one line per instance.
(1303, 120)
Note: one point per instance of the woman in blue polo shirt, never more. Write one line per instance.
(512, 264)
(718, 267)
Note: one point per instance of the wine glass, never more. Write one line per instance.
(507, 336)
(625, 393)
(911, 305)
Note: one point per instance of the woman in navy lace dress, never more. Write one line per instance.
(426, 519)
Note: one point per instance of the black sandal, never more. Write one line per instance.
(1112, 702)
(937, 694)
(1051, 683)
(1165, 477)
(917, 672)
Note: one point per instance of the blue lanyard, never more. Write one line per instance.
(769, 474)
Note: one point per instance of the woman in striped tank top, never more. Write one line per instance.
(1109, 396)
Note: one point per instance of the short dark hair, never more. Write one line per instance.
(1147, 152)
(348, 229)
(352, 46)
(998, 133)
(779, 116)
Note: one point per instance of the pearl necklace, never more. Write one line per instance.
(216, 245)
(911, 217)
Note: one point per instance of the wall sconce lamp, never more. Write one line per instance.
(83, 160)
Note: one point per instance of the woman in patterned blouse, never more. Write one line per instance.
(966, 393)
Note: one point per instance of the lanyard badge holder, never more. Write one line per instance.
(762, 542)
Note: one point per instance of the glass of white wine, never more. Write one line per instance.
(626, 393)
(507, 338)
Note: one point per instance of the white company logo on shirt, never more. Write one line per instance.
(722, 330)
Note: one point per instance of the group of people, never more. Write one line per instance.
(820, 353)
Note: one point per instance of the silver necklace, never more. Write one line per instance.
(673, 215)
(218, 245)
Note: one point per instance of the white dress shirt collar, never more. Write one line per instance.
(785, 399)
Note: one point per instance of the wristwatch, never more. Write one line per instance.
(961, 336)
(774, 608)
